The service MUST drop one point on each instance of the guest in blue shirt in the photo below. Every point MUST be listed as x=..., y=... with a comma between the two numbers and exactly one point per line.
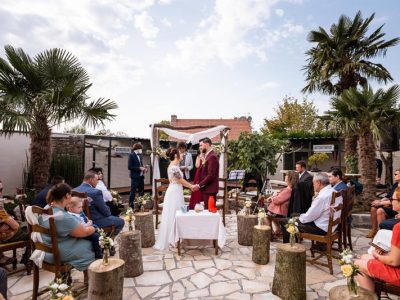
x=40, y=199
x=336, y=180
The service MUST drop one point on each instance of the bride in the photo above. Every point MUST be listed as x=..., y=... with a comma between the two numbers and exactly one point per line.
x=173, y=199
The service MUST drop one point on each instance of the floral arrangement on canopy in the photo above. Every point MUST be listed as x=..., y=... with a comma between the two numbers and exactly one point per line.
x=158, y=151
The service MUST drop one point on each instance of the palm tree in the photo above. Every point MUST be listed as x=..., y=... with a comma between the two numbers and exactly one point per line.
x=39, y=93
x=342, y=57
x=365, y=112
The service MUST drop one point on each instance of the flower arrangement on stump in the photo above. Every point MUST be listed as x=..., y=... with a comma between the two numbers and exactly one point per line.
x=142, y=200
x=292, y=228
x=105, y=243
x=247, y=205
x=129, y=217
x=116, y=198
x=261, y=216
x=59, y=290
x=349, y=270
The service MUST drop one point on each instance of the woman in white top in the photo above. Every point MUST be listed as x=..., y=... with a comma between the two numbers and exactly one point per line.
x=173, y=199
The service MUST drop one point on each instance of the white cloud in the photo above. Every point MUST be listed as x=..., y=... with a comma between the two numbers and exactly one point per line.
x=164, y=2
x=279, y=12
x=269, y=85
x=166, y=22
x=223, y=36
x=144, y=22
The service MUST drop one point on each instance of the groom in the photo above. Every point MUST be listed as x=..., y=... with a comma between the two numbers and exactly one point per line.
x=208, y=183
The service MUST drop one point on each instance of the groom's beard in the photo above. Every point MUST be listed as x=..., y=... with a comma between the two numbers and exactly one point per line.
x=204, y=151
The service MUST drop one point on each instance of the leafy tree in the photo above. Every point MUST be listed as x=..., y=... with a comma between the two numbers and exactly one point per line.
x=78, y=129
x=163, y=135
x=342, y=58
x=108, y=132
x=253, y=152
x=365, y=112
x=39, y=93
x=294, y=116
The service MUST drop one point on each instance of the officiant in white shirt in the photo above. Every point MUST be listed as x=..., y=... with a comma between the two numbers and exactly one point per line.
x=186, y=164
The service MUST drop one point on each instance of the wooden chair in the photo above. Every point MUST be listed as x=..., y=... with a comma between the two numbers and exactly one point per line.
x=222, y=197
x=381, y=286
x=13, y=246
x=242, y=196
x=86, y=209
x=59, y=269
x=161, y=187
x=329, y=238
x=348, y=202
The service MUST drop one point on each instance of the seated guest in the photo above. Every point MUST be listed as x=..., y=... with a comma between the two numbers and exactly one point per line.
x=74, y=250
x=316, y=219
x=379, y=265
x=40, y=199
x=74, y=208
x=300, y=200
x=336, y=180
x=108, y=199
x=99, y=211
x=11, y=231
x=380, y=208
x=278, y=205
x=3, y=284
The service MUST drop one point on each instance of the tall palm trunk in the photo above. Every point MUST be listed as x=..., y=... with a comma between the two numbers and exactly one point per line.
x=367, y=165
x=40, y=153
x=350, y=148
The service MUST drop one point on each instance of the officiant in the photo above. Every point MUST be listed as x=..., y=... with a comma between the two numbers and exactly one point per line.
x=186, y=164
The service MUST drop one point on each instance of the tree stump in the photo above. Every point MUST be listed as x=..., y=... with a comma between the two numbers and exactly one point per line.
x=290, y=272
x=144, y=223
x=261, y=239
x=130, y=250
x=341, y=292
x=106, y=282
x=245, y=225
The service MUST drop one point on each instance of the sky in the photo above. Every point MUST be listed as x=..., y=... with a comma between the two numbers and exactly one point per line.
x=192, y=58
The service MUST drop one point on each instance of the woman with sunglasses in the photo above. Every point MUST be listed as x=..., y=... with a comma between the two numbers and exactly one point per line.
x=380, y=265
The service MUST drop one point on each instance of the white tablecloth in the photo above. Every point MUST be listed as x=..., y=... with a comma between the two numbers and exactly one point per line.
x=198, y=226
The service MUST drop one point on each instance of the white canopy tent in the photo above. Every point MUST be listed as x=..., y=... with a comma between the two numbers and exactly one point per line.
x=193, y=138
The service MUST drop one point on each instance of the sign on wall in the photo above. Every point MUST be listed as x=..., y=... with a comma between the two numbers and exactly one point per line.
x=324, y=148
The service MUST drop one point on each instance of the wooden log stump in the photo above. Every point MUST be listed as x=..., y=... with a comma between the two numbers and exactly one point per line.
x=261, y=239
x=144, y=223
x=245, y=225
x=130, y=250
x=290, y=272
x=106, y=282
x=341, y=292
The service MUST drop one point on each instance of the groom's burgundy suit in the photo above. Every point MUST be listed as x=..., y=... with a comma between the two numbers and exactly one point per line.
x=209, y=178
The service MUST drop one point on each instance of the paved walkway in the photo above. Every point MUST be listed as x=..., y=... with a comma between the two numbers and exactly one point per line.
x=199, y=274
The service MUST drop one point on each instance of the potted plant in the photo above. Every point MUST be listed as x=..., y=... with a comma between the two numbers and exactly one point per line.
x=317, y=158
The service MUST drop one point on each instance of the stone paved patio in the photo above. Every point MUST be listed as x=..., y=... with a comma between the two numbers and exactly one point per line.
x=199, y=274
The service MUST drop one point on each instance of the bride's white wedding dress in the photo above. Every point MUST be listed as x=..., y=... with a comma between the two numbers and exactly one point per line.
x=173, y=201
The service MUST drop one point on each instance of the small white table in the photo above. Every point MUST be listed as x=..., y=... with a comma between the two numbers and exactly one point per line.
x=198, y=226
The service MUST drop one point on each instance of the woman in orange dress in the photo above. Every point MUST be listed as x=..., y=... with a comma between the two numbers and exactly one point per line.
x=379, y=265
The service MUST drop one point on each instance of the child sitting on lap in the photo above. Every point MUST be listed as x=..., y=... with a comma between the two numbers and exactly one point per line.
x=75, y=209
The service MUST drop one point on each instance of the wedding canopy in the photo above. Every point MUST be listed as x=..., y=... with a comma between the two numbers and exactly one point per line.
x=193, y=138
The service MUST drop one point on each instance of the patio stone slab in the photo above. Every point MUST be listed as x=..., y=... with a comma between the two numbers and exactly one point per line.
x=254, y=286
x=152, y=278
x=199, y=293
x=200, y=280
x=146, y=290
x=223, y=288
x=181, y=273
x=203, y=264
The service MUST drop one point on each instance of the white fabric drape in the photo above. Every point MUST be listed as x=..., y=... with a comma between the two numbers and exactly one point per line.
x=193, y=138
x=38, y=255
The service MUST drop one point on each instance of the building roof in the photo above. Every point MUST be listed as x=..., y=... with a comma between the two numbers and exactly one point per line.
x=237, y=125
